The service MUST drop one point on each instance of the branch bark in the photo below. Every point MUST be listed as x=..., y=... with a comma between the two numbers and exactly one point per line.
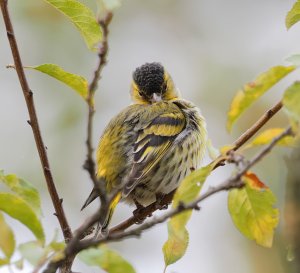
x=33, y=122
x=256, y=126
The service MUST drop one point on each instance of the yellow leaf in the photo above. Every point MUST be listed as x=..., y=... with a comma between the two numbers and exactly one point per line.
x=17, y=208
x=7, y=239
x=225, y=149
x=268, y=135
x=254, y=90
x=293, y=15
x=251, y=209
x=176, y=245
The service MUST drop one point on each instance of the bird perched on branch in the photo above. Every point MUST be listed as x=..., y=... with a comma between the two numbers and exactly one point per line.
x=150, y=146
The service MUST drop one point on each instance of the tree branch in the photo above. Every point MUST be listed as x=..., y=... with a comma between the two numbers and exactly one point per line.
x=256, y=126
x=142, y=214
x=33, y=122
x=232, y=182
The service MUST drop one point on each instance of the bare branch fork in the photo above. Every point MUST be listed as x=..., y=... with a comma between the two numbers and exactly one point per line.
x=33, y=122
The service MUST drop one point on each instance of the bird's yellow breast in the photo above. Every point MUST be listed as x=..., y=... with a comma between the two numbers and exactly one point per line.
x=111, y=157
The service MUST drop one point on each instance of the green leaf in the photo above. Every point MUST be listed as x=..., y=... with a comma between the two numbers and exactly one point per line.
x=82, y=17
x=107, y=259
x=23, y=189
x=176, y=245
x=54, y=244
x=251, y=209
x=37, y=254
x=76, y=82
x=293, y=15
x=189, y=190
x=57, y=246
x=294, y=59
x=254, y=90
x=291, y=100
x=268, y=135
x=17, y=208
x=7, y=239
x=33, y=252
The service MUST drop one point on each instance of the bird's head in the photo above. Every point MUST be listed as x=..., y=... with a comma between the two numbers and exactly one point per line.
x=152, y=83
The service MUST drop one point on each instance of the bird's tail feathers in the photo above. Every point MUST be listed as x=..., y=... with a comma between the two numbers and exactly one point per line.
x=93, y=195
x=113, y=205
x=103, y=224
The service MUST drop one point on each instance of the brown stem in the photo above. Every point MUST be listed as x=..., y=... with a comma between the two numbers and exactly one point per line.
x=256, y=126
x=33, y=122
x=102, y=51
x=89, y=164
x=146, y=212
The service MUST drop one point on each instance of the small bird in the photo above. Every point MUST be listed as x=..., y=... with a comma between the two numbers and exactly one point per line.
x=148, y=148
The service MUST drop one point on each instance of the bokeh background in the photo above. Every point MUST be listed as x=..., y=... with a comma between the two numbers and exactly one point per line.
x=211, y=48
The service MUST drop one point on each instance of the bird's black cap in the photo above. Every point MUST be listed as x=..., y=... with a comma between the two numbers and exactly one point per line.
x=150, y=78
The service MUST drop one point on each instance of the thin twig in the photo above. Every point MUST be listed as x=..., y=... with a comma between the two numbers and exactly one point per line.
x=230, y=183
x=104, y=23
x=142, y=214
x=33, y=122
x=89, y=164
x=256, y=126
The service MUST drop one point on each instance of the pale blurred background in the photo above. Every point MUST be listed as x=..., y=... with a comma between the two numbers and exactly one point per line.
x=211, y=48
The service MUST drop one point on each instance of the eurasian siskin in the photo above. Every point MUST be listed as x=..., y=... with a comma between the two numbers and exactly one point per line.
x=150, y=146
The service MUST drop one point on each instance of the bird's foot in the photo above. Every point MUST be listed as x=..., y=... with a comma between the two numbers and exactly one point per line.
x=159, y=204
x=137, y=213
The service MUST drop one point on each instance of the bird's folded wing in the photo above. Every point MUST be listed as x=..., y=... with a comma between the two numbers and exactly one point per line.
x=153, y=142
